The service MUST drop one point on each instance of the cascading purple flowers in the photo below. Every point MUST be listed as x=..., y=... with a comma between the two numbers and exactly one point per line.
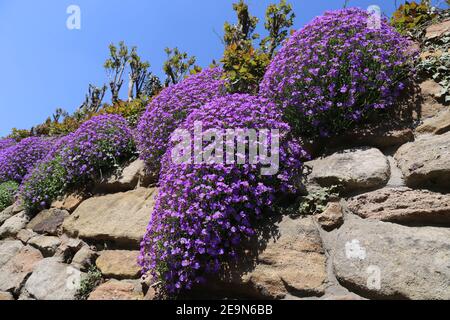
x=337, y=71
x=167, y=111
x=17, y=160
x=6, y=143
x=99, y=145
x=204, y=211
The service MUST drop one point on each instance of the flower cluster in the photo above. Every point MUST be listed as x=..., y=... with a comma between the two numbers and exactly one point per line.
x=167, y=111
x=97, y=147
x=6, y=143
x=204, y=211
x=17, y=160
x=338, y=71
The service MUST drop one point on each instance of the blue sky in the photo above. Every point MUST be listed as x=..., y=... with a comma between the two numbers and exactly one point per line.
x=44, y=65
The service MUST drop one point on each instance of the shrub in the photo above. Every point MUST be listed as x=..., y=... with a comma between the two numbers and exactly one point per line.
x=18, y=160
x=97, y=147
x=7, y=192
x=44, y=184
x=204, y=211
x=337, y=72
x=6, y=143
x=131, y=111
x=411, y=15
x=170, y=108
x=244, y=67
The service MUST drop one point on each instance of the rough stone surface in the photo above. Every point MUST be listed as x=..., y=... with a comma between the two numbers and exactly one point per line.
x=121, y=218
x=6, y=214
x=431, y=88
x=119, y=264
x=13, y=225
x=332, y=217
x=48, y=221
x=68, y=248
x=69, y=202
x=409, y=262
x=437, y=30
x=8, y=249
x=293, y=263
x=426, y=162
x=14, y=273
x=6, y=296
x=53, y=280
x=354, y=169
x=128, y=179
x=290, y=260
x=84, y=258
x=379, y=137
x=25, y=235
x=437, y=125
x=403, y=205
x=118, y=290
x=46, y=244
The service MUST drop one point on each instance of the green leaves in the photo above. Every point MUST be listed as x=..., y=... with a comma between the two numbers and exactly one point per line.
x=279, y=18
x=7, y=193
x=178, y=65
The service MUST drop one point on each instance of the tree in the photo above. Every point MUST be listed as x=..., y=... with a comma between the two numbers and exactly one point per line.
x=243, y=65
x=177, y=66
x=138, y=75
x=59, y=115
x=93, y=100
x=279, y=18
x=115, y=66
x=152, y=86
x=243, y=31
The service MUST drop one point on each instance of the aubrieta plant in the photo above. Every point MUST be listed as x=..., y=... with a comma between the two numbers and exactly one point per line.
x=204, y=211
x=168, y=110
x=19, y=159
x=6, y=143
x=97, y=147
x=338, y=71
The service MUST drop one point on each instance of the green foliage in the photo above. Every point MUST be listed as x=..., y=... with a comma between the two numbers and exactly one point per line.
x=177, y=66
x=412, y=15
x=7, y=192
x=437, y=64
x=244, y=68
x=45, y=183
x=279, y=18
x=89, y=282
x=20, y=134
x=316, y=201
x=131, y=111
x=245, y=27
x=243, y=65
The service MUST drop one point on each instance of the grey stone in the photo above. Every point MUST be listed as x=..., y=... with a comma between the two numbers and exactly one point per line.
x=121, y=218
x=354, y=169
x=381, y=260
x=53, y=280
x=426, y=162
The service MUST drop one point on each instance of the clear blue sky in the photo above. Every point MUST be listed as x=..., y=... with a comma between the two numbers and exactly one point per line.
x=44, y=65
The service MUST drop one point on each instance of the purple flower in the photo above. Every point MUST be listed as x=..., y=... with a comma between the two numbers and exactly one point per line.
x=168, y=110
x=338, y=62
x=204, y=211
